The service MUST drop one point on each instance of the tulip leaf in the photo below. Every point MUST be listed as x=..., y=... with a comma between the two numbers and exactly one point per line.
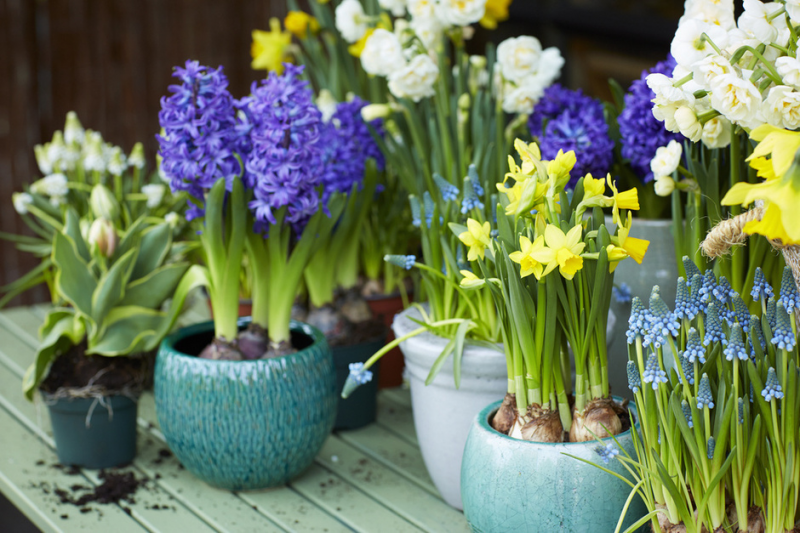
x=130, y=240
x=127, y=331
x=153, y=250
x=154, y=288
x=73, y=229
x=111, y=289
x=74, y=279
x=65, y=330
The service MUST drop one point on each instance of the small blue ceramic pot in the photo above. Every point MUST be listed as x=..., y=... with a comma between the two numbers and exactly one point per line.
x=241, y=425
x=509, y=485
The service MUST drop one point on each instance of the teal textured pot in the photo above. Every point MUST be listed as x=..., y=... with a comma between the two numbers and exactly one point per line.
x=509, y=485
x=92, y=435
x=361, y=407
x=241, y=425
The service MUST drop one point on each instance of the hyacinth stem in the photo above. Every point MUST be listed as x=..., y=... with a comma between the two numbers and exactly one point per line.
x=259, y=290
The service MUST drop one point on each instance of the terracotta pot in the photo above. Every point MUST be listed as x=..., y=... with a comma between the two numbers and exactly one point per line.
x=245, y=307
x=385, y=308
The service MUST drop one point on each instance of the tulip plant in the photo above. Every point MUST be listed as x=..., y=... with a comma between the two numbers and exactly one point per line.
x=716, y=387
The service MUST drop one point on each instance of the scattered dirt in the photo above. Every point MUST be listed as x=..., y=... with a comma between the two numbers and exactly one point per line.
x=163, y=453
x=75, y=369
x=116, y=487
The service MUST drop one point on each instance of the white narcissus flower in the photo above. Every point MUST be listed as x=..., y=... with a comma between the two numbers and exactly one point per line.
x=757, y=20
x=687, y=122
x=708, y=68
x=793, y=8
x=350, y=20
x=782, y=108
x=382, y=54
x=54, y=185
x=717, y=133
x=415, y=80
x=21, y=202
x=154, y=193
x=520, y=99
x=372, y=112
x=550, y=64
x=668, y=99
x=519, y=57
x=429, y=30
x=424, y=9
x=664, y=185
x=715, y=12
x=460, y=12
x=736, y=98
x=667, y=159
x=689, y=44
x=789, y=70
x=397, y=7
x=689, y=86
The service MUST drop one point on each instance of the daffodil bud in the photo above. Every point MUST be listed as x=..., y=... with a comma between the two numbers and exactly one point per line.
x=477, y=62
x=103, y=203
x=665, y=185
x=375, y=111
x=471, y=281
x=103, y=237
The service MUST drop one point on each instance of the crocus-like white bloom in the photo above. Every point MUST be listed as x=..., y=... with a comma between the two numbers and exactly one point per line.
x=714, y=12
x=93, y=158
x=397, y=7
x=789, y=70
x=54, y=185
x=350, y=20
x=375, y=111
x=664, y=185
x=424, y=9
x=382, y=54
x=687, y=122
x=429, y=30
x=415, y=80
x=782, y=107
x=116, y=161
x=519, y=57
x=136, y=159
x=154, y=193
x=690, y=43
x=172, y=218
x=667, y=159
x=21, y=202
x=460, y=12
x=736, y=98
x=521, y=99
x=45, y=166
x=717, y=133
x=707, y=69
x=73, y=130
x=757, y=20
x=326, y=104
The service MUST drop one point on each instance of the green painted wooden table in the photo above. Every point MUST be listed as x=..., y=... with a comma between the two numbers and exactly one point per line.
x=370, y=479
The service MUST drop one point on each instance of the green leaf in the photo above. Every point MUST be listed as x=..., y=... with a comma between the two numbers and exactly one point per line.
x=111, y=289
x=153, y=250
x=66, y=330
x=130, y=240
x=74, y=280
x=127, y=331
x=73, y=229
x=461, y=334
x=154, y=288
x=437, y=365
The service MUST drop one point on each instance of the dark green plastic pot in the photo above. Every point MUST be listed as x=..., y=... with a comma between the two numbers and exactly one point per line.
x=105, y=439
x=361, y=407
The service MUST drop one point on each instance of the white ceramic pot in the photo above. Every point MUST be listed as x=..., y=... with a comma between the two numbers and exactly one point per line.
x=443, y=414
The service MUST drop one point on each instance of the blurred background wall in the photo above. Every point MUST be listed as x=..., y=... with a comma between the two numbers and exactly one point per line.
x=111, y=61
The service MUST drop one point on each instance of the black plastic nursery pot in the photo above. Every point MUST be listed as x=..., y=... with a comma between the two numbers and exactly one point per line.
x=361, y=407
x=94, y=433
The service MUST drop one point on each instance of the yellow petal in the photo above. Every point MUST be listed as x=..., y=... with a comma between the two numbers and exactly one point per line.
x=782, y=144
x=772, y=227
x=554, y=237
x=571, y=266
x=628, y=199
x=516, y=257
x=636, y=248
x=574, y=237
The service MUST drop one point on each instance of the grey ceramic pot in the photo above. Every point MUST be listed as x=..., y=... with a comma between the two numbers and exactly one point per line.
x=509, y=485
x=242, y=425
x=658, y=268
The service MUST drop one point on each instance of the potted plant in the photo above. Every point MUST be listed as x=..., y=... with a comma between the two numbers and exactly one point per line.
x=551, y=281
x=247, y=404
x=111, y=285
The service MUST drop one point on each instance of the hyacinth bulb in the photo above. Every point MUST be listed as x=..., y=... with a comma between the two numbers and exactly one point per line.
x=103, y=237
x=599, y=419
x=253, y=342
x=505, y=416
x=539, y=425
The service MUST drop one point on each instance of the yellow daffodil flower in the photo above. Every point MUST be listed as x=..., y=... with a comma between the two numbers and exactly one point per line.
x=781, y=144
x=763, y=167
x=513, y=193
x=615, y=255
x=496, y=11
x=528, y=265
x=357, y=48
x=529, y=154
x=477, y=238
x=636, y=248
x=299, y=23
x=558, y=170
x=562, y=251
x=269, y=47
x=623, y=200
x=471, y=281
x=593, y=187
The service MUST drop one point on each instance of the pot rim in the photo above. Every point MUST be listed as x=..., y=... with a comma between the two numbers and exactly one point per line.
x=482, y=420
x=168, y=344
x=428, y=337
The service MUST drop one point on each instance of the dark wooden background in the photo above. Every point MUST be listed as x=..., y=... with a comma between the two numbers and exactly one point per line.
x=111, y=61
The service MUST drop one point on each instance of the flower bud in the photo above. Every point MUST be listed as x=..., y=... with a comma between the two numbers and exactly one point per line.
x=21, y=202
x=464, y=102
x=103, y=236
x=477, y=62
x=73, y=130
x=136, y=159
x=688, y=124
x=375, y=111
x=154, y=193
x=664, y=186
x=103, y=203
x=42, y=159
x=172, y=219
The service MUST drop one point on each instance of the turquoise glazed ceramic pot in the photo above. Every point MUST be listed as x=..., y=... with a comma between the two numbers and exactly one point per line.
x=242, y=425
x=509, y=485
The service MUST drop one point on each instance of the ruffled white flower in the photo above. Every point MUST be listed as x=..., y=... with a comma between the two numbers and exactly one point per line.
x=154, y=193
x=756, y=20
x=54, y=185
x=717, y=133
x=415, y=80
x=667, y=159
x=350, y=20
x=21, y=202
x=664, y=185
x=550, y=64
x=789, y=70
x=422, y=9
x=690, y=86
x=382, y=54
x=689, y=44
x=687, y=122
x=519, y=57
x=326, y=104
x=460, y=12
x=714, y=12
x=520, y=99
x=782, y=107
x=709, y=68
x=429, y=30
x=793, y=8
x=736, y=98
x=397, y=7
x=668, y=99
